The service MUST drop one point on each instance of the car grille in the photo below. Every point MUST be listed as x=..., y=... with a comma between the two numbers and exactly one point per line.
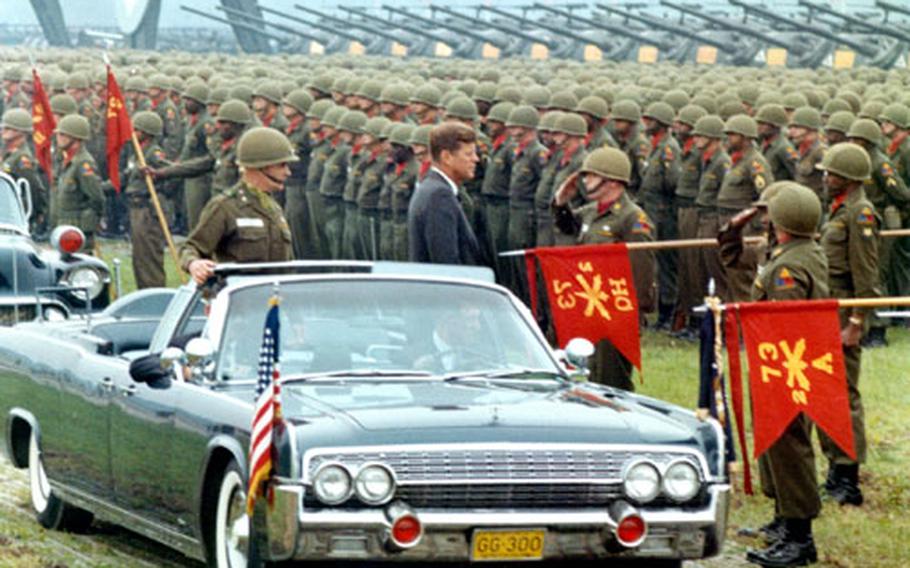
x=538, y=495
x=8, y=314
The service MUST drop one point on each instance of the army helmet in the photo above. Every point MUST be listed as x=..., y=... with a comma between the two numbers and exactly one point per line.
x=690, y=114
x=741, y=124
x=77, y=80
x=426, y=94
x=241, y=93
x=371, y=90
x=319, y=108
x=548, y=121
x=353, y=121
x=865, y=129
x=376, y=126
x=523, y=115
x=709, y=126
x=500, y=112
x=610, y=163
x=572, y=124
x=836, y=105
x=462, y=107
x=897, y=114
x=63, y=104
x=299, y=99
x=806, y=117
x=768, y=194
x=137, y=84
x=508, y=93
x=421, y=135
x=593, y=105
x=217, y=96
x=395, y=93
x=197, y=92
x=795, y=209
x=75, y=126
x=773, y=114
x=333, y=115
x=263, y=146
x=840, y=121
x=537, y=96
x=847, y=160
x=17, y=119
x=677, y=98
x=565, y=101
x=401, y=134
x=160, y=81
x=148, y=122
x=234, y=111
x=661, y=112
x=627, y=110
x=268, y=90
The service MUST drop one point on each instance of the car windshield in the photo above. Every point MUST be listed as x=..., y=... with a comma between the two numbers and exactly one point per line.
x=10, y=211
x=380, y=330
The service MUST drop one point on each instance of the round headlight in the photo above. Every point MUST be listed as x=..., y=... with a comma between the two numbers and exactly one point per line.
x=375, y=484
x=53, y=313
x=641, y=482
x=86, y=277
x=681, y=481
x=332, y=484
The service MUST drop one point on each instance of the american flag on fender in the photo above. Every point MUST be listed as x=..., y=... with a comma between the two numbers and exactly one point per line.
x=268, y=407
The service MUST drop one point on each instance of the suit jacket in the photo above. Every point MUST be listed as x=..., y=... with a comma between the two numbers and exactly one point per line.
x=438, y=231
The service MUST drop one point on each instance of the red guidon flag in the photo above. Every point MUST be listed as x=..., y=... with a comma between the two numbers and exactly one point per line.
x=119, y=128
x=591, y=294
x=43, y=125
x=796, y=364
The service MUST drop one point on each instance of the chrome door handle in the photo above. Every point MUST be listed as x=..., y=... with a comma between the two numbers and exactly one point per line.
x=128, y=391
x=107, y=384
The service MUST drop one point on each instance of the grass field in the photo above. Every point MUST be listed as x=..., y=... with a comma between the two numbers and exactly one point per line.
x=875, y=535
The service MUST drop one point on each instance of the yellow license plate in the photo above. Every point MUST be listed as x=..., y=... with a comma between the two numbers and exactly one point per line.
x=495, y=544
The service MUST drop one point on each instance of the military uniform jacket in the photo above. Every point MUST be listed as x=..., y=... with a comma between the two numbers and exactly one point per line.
x=885, y=187
x=749, y=174
x=195, y=143
x=371, y=181
x=172, y=134
x=278, y=121
x=356, y=164
x=899, y=154
x=17, y=100
x=558, y=169
x=335, y=174
x=600, y=138
x=20, y=164
x=484, y=146
x=781, y=157
x=807, y=174
x=689, y=171
x=850, y=241
x=133, y=180
x=79, y=198
x=527, y=163
x=714, y=169
x=242, y=224
x=221, y=161
x=658, y=184
x=319, y=155
x=498, y=173
x=797, y=270
x=399, y=185
x=622, y=222
x=637, y=148
x=299, y=136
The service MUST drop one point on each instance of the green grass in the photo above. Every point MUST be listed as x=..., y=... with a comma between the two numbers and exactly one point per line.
x=111, y=249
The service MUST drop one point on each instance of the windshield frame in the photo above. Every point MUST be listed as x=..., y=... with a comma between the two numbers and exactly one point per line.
x=225, y=302
x=7, y=184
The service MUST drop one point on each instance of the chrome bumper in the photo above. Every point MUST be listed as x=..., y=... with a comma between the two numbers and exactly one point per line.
x=293, y=533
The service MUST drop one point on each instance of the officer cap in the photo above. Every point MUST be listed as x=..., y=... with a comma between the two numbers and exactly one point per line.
x=76, y=81
x=548, y=121
x=795, y=208
x=865, y=129
x=537, y=96
x=710, y=126
x=421, y=135
x=593, y=105
x=75, y=126
x=772, y=114
x=353, y=121
x=234, y=111
x=217, y=96
x=299, y=99
x=500, y=111
x=462, y=107
x=485, y=91
x=835, y=105
x=319, y=108
x=401, y=134
x=63, y=104
x=148, y=122
x=263, y=146
x=847, y=160
x=840, y=121
x=268, y=90
x=572, y=124
x=563, y=100
x=198, y=92
x=741, y=124
x=661, y=112
x=396, y=93
x=897, y=114
x=376, y=126
x=426, y=94
x=627, y=110
x=371, y=90
x=690, y=114
x=677, y=98
x=17, y=119
x=509, y=93
x=610, y=163
x=333, y=115
x=524, y=115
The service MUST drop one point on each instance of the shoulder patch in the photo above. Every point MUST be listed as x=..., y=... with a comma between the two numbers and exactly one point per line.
x=668, y=153
x=784, y=279
x=642, y=224
x=171, y=113
x=25, y=162
x=159, y=155
x=87, y=169
x=792, y=153
x=866, y=217
x=757, y=167
x=887, y=169
x=760, y=181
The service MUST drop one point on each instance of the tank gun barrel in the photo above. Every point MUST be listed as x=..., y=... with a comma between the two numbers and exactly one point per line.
x=281, y=27
x=434, y=23
x=325, y=28
x=854, y=20
x=657, y=23
x=480, y=22
x=602, y=25
x=395, y=24
x=351, y=23
x=242, y=25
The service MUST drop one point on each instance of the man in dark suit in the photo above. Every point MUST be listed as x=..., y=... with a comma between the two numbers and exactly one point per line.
x=438, y=231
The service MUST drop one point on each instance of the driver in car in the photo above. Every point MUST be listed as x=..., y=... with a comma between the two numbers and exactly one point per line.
x=457, y=344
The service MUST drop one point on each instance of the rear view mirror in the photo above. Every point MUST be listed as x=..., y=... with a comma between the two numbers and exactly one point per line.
x=199, y=358
x=578, y=350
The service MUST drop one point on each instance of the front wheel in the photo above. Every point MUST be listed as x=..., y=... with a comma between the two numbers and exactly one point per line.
x=51, y=512
x=232, y=525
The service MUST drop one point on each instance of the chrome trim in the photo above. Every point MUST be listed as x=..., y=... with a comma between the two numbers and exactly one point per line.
x=721, y=451
x=663, y=479
x=621, y=511
x=391, y=493
x=345, y=469
x=642, y=461
x=395, y=512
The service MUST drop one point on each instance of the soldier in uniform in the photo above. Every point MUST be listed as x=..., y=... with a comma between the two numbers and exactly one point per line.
x=625, y=119
x=595, y=112
x=295, y=106
x=895, y=121
x=244, y=224
x=79, y=199
x=850, y=240
x=196, y=190
x=335, y=176
x=161, y=104
x=569, y=135
x=400, y=177
x=657, y=194
x=838, y=125
x=797, y=270
x=146, y=236
x=610, y=216
x=777, y=150
x=888, y=193
x=804, y=132
x=749, y=174
x=19, y=162
x=494, y=191
x=425, y=104
x=135, y=94
x=372, y=174
x=14, y=97
x=401, y=193
x=393, y=102
x=62, y=105
x=322, y=118
x=267, y=105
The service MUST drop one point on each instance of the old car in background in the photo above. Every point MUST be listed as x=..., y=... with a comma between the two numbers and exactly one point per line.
x=60, y=280
x=425, y=419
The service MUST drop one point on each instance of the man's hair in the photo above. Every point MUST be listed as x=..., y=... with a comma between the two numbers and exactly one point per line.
x=450, y=136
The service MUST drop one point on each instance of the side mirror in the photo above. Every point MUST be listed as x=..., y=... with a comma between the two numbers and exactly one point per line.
x=148, y=369
x=199, y=357
x=578, y=350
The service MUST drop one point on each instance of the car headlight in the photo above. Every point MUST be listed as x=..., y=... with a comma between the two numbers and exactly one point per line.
x=54, y=313
x=681, y=481
x=641, y=482
x=332, y=484
x=86, y=277
x=374, y=484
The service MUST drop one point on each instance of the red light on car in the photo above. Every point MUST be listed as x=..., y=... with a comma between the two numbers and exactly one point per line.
x=68, y=239
x=631, y=531
x=406, y=530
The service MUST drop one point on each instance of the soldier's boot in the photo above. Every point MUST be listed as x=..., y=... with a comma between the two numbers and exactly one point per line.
x=875, y=338
x=830, y=480
x=771, y=532
x=846, y=490
x=664, y=317
x=689, y=332
x=796, y=547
